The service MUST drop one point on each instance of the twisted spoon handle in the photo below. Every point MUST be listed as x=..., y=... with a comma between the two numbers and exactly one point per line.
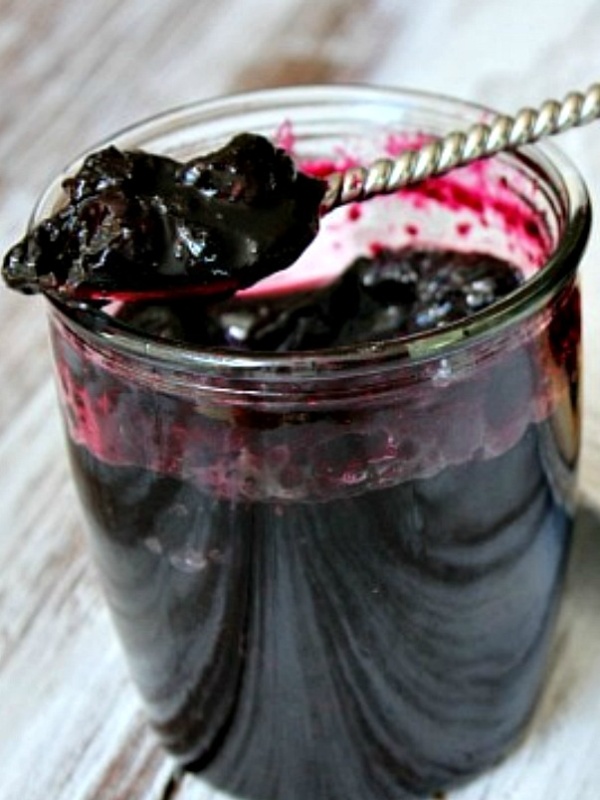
x=459, y=148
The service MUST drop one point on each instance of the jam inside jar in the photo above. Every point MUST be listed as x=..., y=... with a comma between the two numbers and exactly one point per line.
x=335, y=572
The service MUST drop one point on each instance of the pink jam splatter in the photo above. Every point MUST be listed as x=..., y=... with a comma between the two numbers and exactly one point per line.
x=489, y=199
x=285, y=136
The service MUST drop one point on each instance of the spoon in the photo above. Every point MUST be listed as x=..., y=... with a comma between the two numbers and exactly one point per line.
x=459, y=148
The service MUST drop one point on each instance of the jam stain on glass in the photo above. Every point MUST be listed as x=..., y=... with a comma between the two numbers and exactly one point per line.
x=331, y=521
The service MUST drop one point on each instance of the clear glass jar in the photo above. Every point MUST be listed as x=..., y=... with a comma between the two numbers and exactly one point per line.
x=336, y=573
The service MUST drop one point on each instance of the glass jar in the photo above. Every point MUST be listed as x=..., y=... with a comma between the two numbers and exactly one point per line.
x=336, y=573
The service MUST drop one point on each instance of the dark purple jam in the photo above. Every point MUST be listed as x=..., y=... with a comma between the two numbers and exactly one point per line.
x=384, y=644
x=139, y=225
x=351, y=598
x=329, y=586
x=395, y=293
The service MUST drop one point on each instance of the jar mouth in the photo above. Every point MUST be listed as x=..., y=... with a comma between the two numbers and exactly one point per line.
x=546, y=163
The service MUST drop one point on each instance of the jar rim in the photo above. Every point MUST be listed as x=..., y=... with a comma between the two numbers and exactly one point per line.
x=544, y=160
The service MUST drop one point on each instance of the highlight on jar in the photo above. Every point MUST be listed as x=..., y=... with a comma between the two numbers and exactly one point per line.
x=325, y=434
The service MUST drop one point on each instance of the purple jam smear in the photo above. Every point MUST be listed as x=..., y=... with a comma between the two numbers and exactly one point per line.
x=138, y=225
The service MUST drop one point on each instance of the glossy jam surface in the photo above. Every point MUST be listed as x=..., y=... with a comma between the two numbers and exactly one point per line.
x=393, y=293
x=140, y=225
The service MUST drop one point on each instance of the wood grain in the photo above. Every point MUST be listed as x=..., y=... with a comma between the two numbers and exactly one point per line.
x=71, y=726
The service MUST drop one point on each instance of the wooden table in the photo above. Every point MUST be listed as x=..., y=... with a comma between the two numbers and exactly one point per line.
x=71, y=727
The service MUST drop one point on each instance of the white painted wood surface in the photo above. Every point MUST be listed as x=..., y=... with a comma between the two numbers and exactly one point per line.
x=71, y=727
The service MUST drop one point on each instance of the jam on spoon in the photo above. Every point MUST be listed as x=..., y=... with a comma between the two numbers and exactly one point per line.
x=140, y=226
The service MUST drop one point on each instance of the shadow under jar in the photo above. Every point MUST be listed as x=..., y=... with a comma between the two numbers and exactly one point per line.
x=335, y=574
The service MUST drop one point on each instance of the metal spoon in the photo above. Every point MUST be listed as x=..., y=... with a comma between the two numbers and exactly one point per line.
x=459, y=148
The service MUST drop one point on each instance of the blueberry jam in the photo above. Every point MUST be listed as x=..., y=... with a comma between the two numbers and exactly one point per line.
x=142, y=225
x=334, y=593
x=335, y=571
x=394, y=293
